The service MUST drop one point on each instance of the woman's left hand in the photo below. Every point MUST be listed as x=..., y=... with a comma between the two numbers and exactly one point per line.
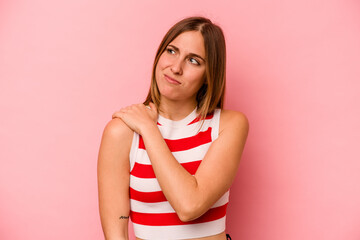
x=138, y=116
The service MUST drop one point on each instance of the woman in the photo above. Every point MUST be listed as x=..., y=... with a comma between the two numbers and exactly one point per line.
x=171, y=160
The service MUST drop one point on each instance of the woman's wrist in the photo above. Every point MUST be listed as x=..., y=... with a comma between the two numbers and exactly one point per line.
x=149, y=129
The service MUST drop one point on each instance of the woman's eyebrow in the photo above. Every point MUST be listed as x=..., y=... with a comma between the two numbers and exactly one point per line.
x=192, y=54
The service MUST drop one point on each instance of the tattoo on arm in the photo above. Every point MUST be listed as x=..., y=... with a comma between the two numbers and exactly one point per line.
x=123, y=217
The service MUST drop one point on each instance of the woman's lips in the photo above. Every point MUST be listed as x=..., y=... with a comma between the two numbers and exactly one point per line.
x=171, y=80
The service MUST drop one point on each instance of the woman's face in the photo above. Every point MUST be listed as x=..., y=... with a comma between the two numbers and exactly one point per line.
x=180, y=71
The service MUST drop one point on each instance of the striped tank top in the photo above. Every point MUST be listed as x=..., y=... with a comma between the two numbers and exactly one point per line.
x=151, y=214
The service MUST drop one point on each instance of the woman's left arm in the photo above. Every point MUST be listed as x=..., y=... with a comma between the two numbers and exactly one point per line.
x=191, y=196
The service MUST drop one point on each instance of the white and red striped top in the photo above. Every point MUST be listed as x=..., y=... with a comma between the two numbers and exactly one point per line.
x=152, y=215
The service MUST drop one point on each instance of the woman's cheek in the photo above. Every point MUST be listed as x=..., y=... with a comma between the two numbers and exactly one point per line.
x=163, y=61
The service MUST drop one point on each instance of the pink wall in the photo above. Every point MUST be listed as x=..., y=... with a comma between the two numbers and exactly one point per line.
x=293, y=69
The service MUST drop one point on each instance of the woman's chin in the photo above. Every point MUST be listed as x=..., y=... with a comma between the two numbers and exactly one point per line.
x=169, y=95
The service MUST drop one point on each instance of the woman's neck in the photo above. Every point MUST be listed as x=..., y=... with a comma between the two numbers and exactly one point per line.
x=176, y=110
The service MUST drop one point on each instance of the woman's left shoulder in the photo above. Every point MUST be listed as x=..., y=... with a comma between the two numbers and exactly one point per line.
x=233, y=119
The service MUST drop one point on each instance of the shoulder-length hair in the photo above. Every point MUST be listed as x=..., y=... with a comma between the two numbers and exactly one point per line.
x=211, y=94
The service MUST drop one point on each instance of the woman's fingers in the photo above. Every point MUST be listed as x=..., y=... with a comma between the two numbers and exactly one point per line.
x=116, y=114
x=134, y=107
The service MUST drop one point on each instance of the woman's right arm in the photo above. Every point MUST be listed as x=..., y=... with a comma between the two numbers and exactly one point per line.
x=113, y=172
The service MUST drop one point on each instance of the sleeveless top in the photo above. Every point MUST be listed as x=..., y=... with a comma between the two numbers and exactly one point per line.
x=151, y=214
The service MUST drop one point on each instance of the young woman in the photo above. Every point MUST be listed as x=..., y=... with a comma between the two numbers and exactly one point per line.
x=168, y=163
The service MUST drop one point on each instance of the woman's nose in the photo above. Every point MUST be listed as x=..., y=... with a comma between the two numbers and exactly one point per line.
x=177, y=66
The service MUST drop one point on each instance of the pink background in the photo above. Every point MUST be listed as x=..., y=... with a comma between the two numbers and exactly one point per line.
x=293, y=69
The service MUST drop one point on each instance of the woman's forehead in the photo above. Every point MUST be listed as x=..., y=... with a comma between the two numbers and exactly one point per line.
x=190, y=42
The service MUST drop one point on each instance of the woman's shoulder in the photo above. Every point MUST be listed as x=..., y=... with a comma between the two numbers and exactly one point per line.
x=115, y=148
x=233, y=119
x=117, y=130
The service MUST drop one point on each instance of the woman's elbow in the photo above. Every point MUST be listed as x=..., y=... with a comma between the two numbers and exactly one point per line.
x=189, y=213
x=185, y=217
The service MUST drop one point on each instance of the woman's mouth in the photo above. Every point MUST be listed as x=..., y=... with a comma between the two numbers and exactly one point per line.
x=170, y=80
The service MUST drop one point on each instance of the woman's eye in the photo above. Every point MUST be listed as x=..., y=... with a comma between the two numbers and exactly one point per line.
x=169, y=50
x=193, y=60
